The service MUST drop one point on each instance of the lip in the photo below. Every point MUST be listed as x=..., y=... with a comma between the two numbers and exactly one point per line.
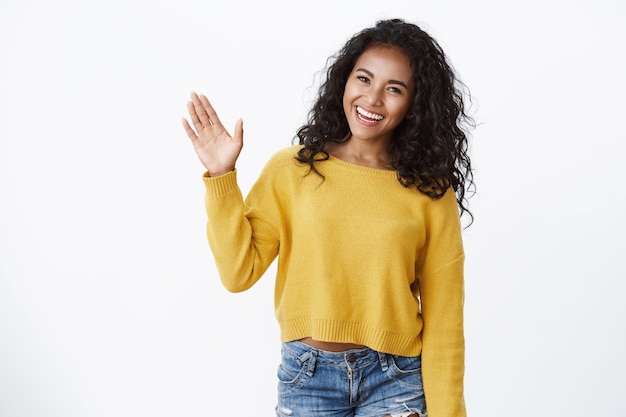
x=366, y=121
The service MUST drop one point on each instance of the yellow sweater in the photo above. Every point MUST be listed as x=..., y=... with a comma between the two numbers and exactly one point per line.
x=357, y=252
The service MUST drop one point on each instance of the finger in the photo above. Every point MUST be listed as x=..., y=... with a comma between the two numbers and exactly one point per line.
x=215, y=120
x=190, y=132
x=200, y=111
x=194, y=116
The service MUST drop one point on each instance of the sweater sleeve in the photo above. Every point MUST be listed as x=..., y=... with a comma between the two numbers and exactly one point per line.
x=442, y=297
x=243, y=243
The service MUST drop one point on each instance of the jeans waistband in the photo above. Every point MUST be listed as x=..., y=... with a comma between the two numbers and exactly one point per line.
x=353, y=357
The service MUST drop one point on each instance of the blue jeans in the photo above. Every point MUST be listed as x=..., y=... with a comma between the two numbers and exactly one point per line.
x=354, y=383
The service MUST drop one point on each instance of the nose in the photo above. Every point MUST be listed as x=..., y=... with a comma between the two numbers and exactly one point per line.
x=374, y=96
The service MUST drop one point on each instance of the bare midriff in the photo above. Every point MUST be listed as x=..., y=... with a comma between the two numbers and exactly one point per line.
x=331, y=346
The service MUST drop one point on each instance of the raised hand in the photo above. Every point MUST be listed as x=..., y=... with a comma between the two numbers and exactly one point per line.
x=217, y=149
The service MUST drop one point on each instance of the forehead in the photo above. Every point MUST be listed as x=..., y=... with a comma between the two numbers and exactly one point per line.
x=385, y=60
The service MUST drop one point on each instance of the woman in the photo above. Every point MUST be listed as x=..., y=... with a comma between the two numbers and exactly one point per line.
x=363, y=215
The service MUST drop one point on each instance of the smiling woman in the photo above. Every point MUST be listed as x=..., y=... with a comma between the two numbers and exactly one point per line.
x=363, y=218
x=377, y=97
x=110, y=300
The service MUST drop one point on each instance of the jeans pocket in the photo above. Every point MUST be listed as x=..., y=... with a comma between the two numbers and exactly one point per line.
x=289, y=370
x=294, y=371
x=406, y=364
x=407, y=369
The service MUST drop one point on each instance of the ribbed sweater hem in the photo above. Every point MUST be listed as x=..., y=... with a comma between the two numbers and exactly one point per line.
x=354, y=332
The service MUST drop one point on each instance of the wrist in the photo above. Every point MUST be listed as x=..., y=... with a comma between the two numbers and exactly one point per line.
x=219, y=173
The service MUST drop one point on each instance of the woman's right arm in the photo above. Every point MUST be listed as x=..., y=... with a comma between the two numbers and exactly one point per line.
x=243, y=243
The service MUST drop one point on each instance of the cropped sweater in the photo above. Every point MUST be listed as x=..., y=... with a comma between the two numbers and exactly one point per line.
x=361, y=259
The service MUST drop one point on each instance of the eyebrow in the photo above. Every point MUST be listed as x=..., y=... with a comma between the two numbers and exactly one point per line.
x=371, y=74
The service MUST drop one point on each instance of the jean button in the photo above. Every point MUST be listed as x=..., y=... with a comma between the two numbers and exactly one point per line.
x=351, y=358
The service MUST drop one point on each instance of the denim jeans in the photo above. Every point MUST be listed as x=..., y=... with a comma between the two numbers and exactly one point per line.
x=354, y=383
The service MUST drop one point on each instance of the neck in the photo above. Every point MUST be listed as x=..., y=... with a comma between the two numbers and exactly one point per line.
x=374, y=155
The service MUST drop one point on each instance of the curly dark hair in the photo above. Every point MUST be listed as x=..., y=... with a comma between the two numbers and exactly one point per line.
x=429, y=150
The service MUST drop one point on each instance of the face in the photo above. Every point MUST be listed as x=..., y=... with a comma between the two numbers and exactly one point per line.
x=378, y=93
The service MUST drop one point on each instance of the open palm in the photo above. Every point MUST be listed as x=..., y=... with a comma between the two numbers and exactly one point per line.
x=217, y=149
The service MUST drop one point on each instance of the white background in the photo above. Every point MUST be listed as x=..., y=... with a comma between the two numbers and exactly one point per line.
x=109, y=300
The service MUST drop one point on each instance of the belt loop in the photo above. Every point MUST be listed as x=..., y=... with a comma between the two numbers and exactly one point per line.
x=309, y=358
x=303, y=358
x=383, y=361
x=311, y=363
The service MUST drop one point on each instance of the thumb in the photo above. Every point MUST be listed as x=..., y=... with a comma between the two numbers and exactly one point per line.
x=238, y=133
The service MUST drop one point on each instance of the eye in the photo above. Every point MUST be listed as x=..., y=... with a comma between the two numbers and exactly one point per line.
x=395, y=90
x=363, y=79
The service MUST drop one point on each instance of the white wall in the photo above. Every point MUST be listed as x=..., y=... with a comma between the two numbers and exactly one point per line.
x=109, y=301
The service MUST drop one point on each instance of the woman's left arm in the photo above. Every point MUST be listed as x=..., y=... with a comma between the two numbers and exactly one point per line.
x=441, y=284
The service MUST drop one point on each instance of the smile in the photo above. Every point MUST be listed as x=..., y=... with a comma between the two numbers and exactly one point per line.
x=367, y=116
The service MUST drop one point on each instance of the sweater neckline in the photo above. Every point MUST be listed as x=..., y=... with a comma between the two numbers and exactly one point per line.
x=361, y=168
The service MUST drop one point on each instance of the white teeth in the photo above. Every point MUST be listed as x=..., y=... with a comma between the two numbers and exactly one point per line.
x=369, y=115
